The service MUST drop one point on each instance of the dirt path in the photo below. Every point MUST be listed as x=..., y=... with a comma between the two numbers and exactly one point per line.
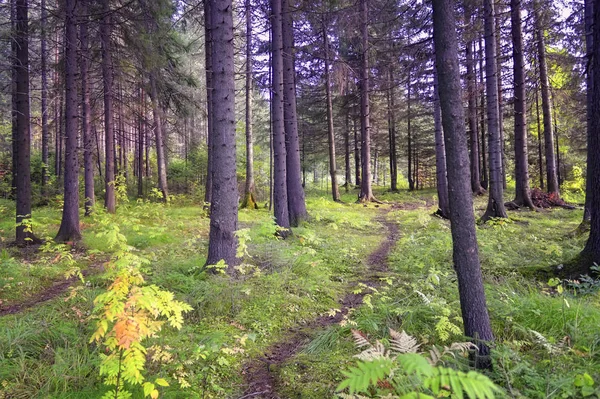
x=261, y=381
x=57, y=288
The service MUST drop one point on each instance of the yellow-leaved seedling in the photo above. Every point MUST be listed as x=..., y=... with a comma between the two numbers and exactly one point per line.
x=128, y=313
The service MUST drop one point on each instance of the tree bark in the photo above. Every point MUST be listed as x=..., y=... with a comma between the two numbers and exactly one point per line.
x=69, y=225
x=357, y=164
x=462, y=221
x=86, y=116
x=472, y=104
x=296, y=203
x=589, y=80
x=335, y=191
x=348, y=173
x=109, y=133
x=392, y=130
x=22, y=170
x=522, y=192
x=222, y=244
x=482, y=126
x=495, y=207
x=249, y=200
x=366, y=192
x=551, y=176
x=159, y=138
x=440, y=155
x=44, y=72
x=591, y=251
x=208, y=61
x=411, y=169
x=280, y=191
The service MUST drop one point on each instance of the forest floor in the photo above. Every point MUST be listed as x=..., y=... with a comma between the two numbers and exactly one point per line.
x=281, y=327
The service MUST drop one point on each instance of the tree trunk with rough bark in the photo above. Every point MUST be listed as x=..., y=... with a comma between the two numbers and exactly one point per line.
x=495, y=207
x=22, y=146
x=86, y=116
x=159, y=138
x=249, y=200
x=551, y=176
x=222, y=244
x=69, y=225
x=472, y=104
x=335, y=191
x=296, y=203
x=366, y=192
x=522, y=191
x=280, y=191
x=391, y=106
x=109, y=133
x=591, y=251
x=44, y=104
x=440, y=155
x=208, y=66
x=475, y=316
x=589, y=80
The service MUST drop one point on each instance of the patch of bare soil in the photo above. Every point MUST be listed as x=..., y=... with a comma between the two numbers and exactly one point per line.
x=57, y=288
x=261, y=380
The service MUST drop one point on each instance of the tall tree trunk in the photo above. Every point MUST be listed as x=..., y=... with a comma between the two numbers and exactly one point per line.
x=411, y=174
x=551, y=177
x=495, y=207
x=472, y=104
x=109, y=133
x=482, y=121
x=591, y=251
x=539, y=136
x=222, y=244
x=88, y=146
x=440, y=155
x=159, y=138
x=589, y=23
x=348, y=173
x=366, y=192
x=357, y=163
x=462, y=221
x=296, y=203
x=22, y=170
x=522, y=191
x=44, y=72
x=500, y=95
x=140, y=143
x=69, y=225
x=249, y=201
x=392, y=130
x=14, y=96
x=208, y=61
x=335, y=191
x=280, y=191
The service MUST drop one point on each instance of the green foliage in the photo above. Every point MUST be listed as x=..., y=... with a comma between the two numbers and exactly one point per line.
x=382, y=372
x=128, y=313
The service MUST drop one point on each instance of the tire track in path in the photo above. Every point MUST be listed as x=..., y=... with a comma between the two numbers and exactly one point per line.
x=260, y=380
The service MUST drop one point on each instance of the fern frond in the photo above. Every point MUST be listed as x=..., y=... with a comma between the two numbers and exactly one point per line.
x=359, y=339
x=462, y=347
x=402, y=342
x=540, y=339
x=471, y=385
x=358, y=379
x=374, y=352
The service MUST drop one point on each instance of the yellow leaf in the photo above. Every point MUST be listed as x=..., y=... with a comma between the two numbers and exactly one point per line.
x=161, y=382
x=154, y=394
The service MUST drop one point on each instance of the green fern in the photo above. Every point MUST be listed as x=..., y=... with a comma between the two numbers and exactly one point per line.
x=378, y=366
x=367, y=373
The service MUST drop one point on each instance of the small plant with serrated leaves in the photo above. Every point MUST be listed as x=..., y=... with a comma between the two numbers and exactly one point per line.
x=398, y=371
x=127, y=314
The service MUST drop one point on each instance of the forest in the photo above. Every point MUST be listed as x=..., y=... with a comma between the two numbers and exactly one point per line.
x=288, y=199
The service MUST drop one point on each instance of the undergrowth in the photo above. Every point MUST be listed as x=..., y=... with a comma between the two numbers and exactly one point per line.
x=547, y=343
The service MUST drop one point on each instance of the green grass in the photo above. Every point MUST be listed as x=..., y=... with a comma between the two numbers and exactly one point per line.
x=44, y=351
